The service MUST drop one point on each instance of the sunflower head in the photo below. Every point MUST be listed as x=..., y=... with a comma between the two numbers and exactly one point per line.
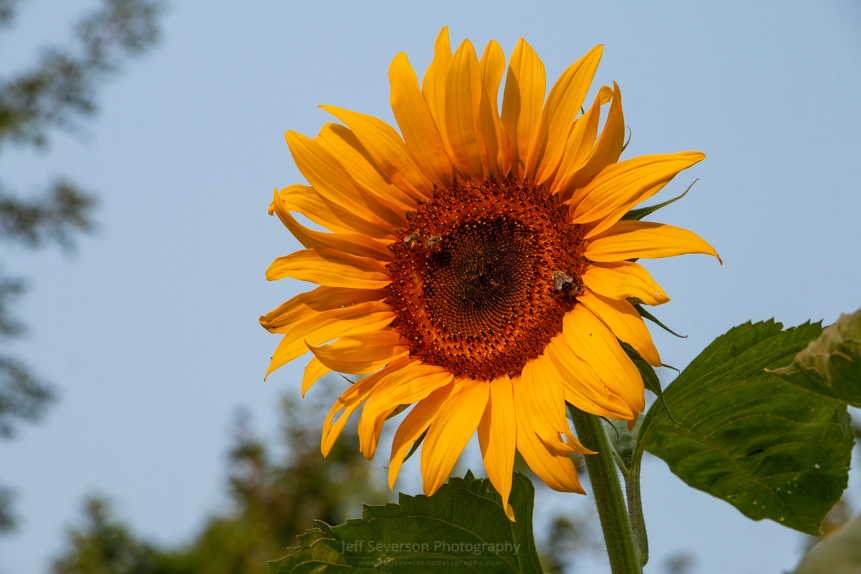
x=476, y=265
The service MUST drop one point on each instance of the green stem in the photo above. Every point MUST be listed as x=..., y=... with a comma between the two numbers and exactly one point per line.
x=608, y=493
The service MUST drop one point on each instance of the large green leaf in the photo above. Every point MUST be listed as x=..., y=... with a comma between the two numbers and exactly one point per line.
x=769, y=448
x=830, y=365
x=461, y=528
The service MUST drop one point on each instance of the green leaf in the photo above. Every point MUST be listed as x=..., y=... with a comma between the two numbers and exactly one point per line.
x=462, y=527
x=769, y=448
x=830, y=365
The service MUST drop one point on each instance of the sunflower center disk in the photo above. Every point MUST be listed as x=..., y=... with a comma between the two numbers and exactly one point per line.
x=483, y=275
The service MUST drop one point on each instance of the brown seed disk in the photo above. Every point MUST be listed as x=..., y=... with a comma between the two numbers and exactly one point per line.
x=480, y=276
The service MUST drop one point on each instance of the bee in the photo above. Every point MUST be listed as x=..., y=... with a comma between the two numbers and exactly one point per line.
x=564, y=282
x=412, y=239
x=431, y=241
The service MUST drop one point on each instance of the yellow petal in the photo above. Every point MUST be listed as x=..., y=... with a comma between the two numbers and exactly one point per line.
x=545, y=401
x=403, y=387
x=583, y=386
x=563, y=104
x=361, y=354
x=497, y=437
x=593, y=342
x=462, y=101
x=448, y=434
x=363, y=212
x=330, y=267
x=421, y=135
x=624, y=279
x=492, y=69
x=625, y=322
x=306, y=305
x=313, y=371
x=387, y=150
x=636, y=239
x=316, y=329
x=412, y=427
x=350, y=243
x=434, y=82
x=522, y=101
x=579, y=147
x=305, y=199
x=350, y=400
x=362, y=168
x=621, y=186
x=607, y=148
x=556, y=470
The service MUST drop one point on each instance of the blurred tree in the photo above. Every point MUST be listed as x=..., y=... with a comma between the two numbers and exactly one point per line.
x=272, y=502
x=275, y=498
x=58, y=90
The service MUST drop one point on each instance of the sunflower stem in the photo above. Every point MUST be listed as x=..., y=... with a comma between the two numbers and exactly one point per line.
x=607, y=490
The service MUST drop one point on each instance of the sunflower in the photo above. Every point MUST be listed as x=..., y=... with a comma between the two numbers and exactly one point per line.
x=476, y=266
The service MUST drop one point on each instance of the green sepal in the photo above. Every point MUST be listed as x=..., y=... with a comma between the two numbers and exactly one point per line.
x=650, y=377
x=416, y=444
x=646, y=315
x=638, y=214
x=630, y=135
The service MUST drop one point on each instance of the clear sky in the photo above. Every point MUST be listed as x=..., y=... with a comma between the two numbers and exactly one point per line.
x=151, y=334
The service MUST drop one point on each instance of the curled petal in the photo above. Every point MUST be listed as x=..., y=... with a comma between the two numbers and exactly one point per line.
x=623, y=280
x=402, y=387
x=583, y=386
x=434, y=84
x=364, y=212
x=606, y=149
x=362, y=168
x=621, y=186
x=318, y=328
x=421, y=135
x=522, y=102
x=313, y=371
x=556, y=470
x=462, y=103
x=350, y=243
x=623, y=320
x=497, y=437
x=546, y=403
x=635, y=239
x=414, y=425
x=330, y=267
x=361, y=354
x=492, y=70
x=307, y=305
x=349, y=401
x=387, y=150
x=593, y=342
x=448, y=434
x=563, y=104
x=305, y=199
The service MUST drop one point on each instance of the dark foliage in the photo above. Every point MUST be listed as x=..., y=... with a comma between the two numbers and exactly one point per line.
x=56, y=92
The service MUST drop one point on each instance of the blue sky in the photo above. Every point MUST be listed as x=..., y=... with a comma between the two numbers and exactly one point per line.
x=151, y=335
